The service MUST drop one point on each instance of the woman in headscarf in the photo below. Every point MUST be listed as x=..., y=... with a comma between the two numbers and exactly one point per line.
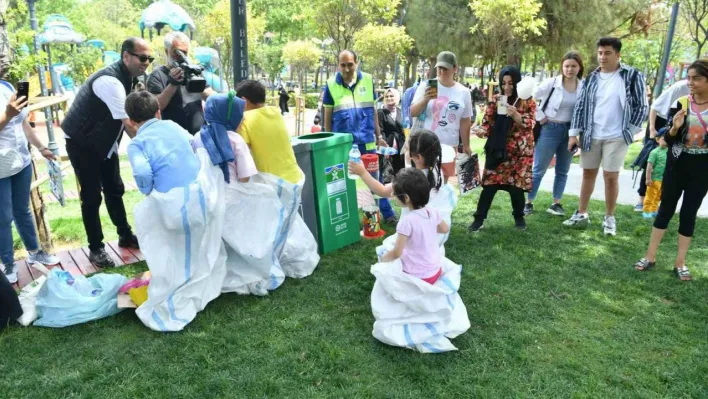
x=223, y=114
x=391, y=123
x=508, y=126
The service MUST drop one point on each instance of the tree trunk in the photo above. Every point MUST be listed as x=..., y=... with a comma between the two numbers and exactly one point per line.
x=533, y=66
x=481, y=75
x=38, y=211
x=461, y=74
x=433, y=72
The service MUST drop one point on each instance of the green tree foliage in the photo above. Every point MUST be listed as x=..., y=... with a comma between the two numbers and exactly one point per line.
x=302, y=56
x=378, y=46
x=342, y=19
x=287, y=19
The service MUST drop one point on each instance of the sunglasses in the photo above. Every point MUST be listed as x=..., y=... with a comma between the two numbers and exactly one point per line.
x=143, y=58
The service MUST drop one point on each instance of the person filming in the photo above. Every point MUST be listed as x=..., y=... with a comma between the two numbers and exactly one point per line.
x=173, y=87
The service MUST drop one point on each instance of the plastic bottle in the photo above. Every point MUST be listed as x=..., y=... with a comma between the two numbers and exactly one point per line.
x=354, y=156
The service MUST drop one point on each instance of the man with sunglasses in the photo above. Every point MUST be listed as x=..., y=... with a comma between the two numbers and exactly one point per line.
x=349, y=107
x=166, y=82
x=93, y=128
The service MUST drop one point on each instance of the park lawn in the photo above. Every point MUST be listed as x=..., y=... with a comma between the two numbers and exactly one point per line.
x=555, y=313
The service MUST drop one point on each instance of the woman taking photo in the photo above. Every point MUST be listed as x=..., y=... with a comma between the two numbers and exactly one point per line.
x=15, y=182
x=557, y=97
x=685, y=172
x=391, y=123
x=508, y=126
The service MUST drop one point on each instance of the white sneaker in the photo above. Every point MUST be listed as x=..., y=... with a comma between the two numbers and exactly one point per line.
x=43, y=258
x=610, y=226
x=578, y=220
x=10, y=272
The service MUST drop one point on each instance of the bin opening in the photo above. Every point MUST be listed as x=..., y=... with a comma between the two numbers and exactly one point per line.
x=316, y=136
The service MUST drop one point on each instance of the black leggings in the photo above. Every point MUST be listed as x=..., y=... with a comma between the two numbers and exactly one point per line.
x=687, y=175
x=487, y=196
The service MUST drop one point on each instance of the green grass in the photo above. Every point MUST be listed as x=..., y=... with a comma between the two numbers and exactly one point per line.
x=554, y=312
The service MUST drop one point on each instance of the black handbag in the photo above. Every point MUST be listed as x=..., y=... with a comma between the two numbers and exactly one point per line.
x=537, y=127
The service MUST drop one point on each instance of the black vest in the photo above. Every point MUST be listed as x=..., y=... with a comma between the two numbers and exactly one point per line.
x=89, y=122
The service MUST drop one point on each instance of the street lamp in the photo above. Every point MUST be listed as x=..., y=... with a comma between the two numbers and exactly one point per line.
x=239, y=40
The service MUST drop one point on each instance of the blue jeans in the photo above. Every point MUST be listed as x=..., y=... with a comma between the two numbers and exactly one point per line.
x=385, y=206
x=14, y=205
x=553, y=141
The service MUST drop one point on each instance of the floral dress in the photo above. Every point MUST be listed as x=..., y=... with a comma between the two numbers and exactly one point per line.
x=517, y=170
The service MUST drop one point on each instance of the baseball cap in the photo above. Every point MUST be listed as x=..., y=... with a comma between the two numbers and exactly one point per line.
x=446, y=59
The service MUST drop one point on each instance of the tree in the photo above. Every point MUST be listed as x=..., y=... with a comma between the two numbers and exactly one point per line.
x=378, y=46
x=289, y=19
x=508, y=23
x=341, y=19
x=303, y=57
x=695, y=13
x=270, y=60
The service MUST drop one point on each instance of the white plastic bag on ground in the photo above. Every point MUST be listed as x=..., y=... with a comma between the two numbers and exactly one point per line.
x=180, y=237
x=251, y=227
x=444, y=201
x=28, y=296
x=300, y=258
x=65, y=300
x=413, y=314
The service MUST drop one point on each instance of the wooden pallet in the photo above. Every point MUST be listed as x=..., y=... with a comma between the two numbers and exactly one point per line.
x=76, y=262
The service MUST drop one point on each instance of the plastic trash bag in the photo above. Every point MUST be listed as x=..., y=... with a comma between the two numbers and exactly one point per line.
x=28, y=301
x=413, y=314
x=251, y=227
x=65, y=300
x=444, y=201
x=468, y=175
x=180, y=237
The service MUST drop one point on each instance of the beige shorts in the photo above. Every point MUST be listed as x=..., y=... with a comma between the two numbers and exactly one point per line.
x=606, y=153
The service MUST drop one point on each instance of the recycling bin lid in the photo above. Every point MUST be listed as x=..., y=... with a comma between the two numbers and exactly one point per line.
x=326, y=139
x=300, y=147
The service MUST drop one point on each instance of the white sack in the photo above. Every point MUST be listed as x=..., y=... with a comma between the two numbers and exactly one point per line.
x=180, y=237
x=414, y=314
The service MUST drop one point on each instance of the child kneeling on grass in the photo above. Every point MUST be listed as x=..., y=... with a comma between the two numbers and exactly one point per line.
x=655, y=174
x=417, y=242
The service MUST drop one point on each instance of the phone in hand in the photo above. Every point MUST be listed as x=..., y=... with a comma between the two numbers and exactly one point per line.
x=23, y=89
x=574, y=150
x=433, y=84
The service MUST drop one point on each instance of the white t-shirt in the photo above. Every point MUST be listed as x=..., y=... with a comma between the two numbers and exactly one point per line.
x=13, y=135
x=607, y=118
x=567, y=106
x=662, y=105
x=443, y=114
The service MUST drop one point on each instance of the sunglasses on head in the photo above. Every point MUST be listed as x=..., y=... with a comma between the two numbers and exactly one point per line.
x=143, y=58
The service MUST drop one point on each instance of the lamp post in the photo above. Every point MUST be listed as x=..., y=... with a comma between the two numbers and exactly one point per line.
x=239, y=40
x=51, y=144
x=659, y=87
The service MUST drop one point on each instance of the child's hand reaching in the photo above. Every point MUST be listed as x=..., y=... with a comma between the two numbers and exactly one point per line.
x=356, y=168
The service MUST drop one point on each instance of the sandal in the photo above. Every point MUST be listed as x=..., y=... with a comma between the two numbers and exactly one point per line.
x=643, y=265
x=682, y=273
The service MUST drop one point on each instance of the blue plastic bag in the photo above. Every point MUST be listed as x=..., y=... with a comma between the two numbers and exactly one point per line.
x=65, y=300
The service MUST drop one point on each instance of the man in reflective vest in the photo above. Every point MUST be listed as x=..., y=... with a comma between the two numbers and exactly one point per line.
x=349, y=107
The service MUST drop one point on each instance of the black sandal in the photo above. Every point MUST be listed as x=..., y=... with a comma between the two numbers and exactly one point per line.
x=682, y=273
x=643, y=265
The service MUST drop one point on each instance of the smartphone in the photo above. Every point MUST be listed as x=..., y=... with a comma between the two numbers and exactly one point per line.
x=23, y=89
x=433, y=84
x=574, y=150
x=501, y=105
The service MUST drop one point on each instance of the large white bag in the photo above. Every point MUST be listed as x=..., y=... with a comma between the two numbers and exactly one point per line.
x=251, y=226
x=444, y=201
x=414, y=314
x=295, y=245
x=180, y=236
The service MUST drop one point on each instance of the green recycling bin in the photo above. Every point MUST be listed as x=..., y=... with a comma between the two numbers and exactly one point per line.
x=334, y=193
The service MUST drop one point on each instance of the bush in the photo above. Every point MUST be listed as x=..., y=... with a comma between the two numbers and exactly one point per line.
x=311, y=100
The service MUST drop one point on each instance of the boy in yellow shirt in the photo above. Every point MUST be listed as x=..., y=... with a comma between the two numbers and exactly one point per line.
x=264, y=130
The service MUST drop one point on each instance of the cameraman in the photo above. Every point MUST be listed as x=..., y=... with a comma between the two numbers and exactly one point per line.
x=167, y=83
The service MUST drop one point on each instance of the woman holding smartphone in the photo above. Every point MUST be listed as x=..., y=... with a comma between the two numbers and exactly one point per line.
x=508, y=126
x=15, y=181
x=444, y=107
x=557, y=97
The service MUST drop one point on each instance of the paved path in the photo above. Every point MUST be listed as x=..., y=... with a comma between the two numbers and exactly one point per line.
x=627, y=195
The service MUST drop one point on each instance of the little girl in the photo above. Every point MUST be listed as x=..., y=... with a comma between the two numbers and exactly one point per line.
x=426, y=155
x=417, y=242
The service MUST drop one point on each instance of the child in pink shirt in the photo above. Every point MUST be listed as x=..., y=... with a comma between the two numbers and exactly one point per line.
x=417, y=245
x=243, y=166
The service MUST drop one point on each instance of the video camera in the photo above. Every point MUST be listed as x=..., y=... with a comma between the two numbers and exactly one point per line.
x=193, y=79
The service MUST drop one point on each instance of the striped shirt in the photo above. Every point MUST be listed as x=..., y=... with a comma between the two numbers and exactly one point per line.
x=635, y=110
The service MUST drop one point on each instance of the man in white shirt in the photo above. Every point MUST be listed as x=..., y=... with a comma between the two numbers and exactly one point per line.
x=93, y=126
x=610, y=110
